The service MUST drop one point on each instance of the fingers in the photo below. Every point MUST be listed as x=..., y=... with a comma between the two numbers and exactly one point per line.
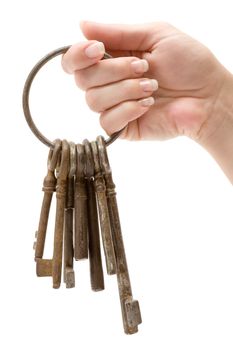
x=105, y=97
x=110, y=70
x=120, y=36
x=82, y=55
x=118, y=117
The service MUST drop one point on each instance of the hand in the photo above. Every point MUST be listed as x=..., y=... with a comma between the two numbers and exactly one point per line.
x=190, y=80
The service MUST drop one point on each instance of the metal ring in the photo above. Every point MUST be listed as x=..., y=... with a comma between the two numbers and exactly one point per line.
x=54, y=155
x=26, y=91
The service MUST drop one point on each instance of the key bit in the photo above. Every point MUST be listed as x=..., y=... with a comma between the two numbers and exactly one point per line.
x=44, y=267
x=133, y=313
x=49, y=186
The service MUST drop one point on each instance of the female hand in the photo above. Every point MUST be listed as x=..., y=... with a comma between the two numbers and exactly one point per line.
x=123, y=89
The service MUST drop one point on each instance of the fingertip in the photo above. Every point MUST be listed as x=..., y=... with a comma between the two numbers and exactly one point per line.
x=82, y=24
x=108, y=128
x=118, y=117
x=147, y=102
x=82, y=55
x=85, y=27
x=65, y=64
x=95, y=50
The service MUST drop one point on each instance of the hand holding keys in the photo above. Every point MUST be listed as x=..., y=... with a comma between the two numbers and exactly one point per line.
x=85, y=205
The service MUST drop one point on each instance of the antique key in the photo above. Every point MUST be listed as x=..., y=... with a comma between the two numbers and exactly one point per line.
x=59, y=221
x=69, y=277
x=85, y=202
x=44, y=266
x=81, y=227
x=130, y=308
x=96, y=269
x=104, y=219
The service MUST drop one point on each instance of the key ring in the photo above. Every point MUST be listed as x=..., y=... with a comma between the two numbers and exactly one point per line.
x=26, y=92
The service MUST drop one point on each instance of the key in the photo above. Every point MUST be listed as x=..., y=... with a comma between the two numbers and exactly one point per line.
x=130, y=308
x=81, y=228
x=96, y=269
x=104, y=219
x=44, y=266
x=59, y=220
x=69, y=276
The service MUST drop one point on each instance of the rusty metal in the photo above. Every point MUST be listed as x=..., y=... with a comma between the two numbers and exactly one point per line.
x=69, y=275
x=26, y=94
x=44, y=266
x=86, y=200
x=130, y=308
x=81, y=226
x=59, y=221
x=96, y=269
x=104, y=219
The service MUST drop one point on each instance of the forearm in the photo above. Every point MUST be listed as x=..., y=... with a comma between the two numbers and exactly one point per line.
x=220, y=142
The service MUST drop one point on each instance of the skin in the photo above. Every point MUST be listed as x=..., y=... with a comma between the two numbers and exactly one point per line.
x=194, y=95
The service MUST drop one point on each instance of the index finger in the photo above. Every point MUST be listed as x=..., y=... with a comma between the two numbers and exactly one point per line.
x=82, y=55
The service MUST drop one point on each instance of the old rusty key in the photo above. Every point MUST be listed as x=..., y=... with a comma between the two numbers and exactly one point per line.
x=81, y=227
x=130, y=308
x=69, y=276
x=61, y=190
x=104, y=219
x=96, y=269
x=44, y=266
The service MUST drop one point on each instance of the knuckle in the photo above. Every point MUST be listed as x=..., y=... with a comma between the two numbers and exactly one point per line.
x=66, y=65
x=92, y=100
x=130, y=108
x=128, y=68
x=130, y=87
x=117, y=67
x=121, y=66
x=80, y=80
x=102, y=121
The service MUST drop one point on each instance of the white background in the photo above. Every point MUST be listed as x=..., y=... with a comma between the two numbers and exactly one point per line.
x=176, y=205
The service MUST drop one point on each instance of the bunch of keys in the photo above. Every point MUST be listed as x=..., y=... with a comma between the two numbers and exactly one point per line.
x=86, y=209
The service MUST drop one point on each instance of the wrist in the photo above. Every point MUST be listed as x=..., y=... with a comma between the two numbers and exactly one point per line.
x=219, y=141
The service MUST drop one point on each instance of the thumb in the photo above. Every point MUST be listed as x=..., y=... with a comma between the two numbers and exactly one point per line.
x=120, y=36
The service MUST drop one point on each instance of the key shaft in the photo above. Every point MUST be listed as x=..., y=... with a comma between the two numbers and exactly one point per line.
x=96, y=269
x=59, y=221
x=69, y=275
x=131, y=314
x=81, y=226
x=44, y=266
x=104, y=219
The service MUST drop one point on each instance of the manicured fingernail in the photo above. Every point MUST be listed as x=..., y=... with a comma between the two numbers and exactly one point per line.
x=95, y=50
x=140, y=66
x=147, y=102
x=149, y=85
